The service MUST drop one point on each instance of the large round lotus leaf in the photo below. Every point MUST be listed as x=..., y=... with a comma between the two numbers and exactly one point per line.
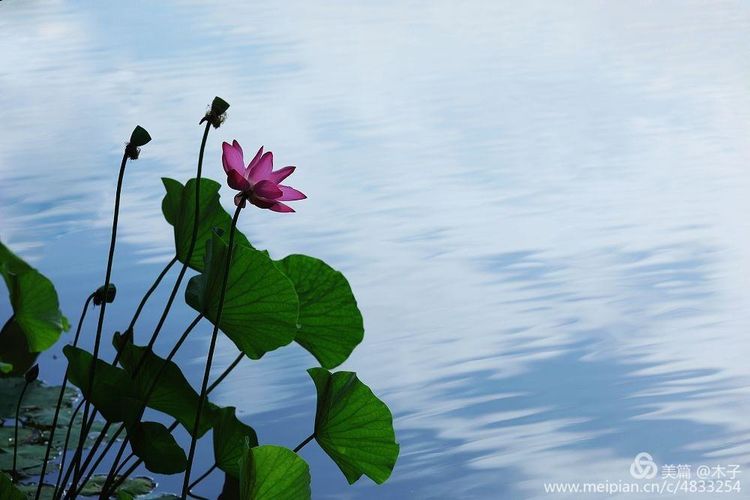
x=36, y=309
x=273, y=472
x=178, y=207
x=260, y=309
x=353, y=426
x=330, y=324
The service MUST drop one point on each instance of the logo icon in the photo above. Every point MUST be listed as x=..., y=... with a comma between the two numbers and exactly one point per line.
x=643, y=466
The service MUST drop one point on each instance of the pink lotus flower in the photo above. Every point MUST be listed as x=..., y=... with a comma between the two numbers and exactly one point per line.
x=258, y=182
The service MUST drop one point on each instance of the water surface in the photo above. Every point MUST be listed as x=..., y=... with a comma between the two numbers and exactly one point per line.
x=541, y=207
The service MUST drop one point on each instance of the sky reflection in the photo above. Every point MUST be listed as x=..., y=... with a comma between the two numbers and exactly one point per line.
x=540, y=206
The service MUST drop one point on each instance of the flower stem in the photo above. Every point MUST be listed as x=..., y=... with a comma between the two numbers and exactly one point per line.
x=119, y=478
x=183, y=270
x=303, y=443
x=211, y=349
x=59, y=403
x=100, y=324
x=145, y=298
x=15, y=431
x=144, y=403
x=226, y=372
x=202, y=477
x=150, y=291
x=191, y=248
x=64, y=450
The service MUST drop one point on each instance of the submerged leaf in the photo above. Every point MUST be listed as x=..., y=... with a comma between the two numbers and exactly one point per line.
x=260, y=307
x=330, y=324
x=273, y=472
x=178, y=207
x=353, y=426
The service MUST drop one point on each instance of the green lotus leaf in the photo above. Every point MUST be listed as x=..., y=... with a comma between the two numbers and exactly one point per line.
x=154, y=444
x=113, y=394
x=36, y=417
x=172, y=393
x=29, y=491
x=330, y=324
x=229, y=440
x=178, y=207
x=353, y=426
x=273, y=472
x=9, y=491
x=133, y=486
x=261, y=305
x=36, y=310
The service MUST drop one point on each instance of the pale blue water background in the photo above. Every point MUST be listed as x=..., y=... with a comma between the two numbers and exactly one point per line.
x=542, y=208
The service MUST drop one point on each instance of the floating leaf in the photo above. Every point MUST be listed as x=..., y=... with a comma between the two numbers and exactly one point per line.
x=260, y=306
x=113, y=394
x=8, y=490
x=38, y=397
x=29, y=491
x=273, y=472
x=154, y=444
x=30, y=458
x=178, y=207
x=36, y=310
x=229, y=440
x=134, y=486
x=330, y=324
x=353, y=426
x=36, y=417
x=172, y=393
